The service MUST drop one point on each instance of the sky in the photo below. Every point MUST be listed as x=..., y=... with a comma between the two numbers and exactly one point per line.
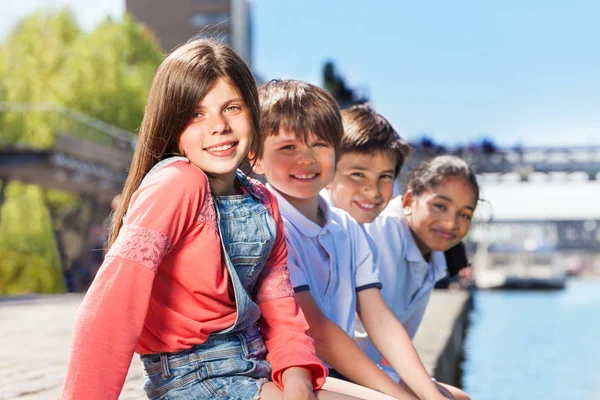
x=519, y=72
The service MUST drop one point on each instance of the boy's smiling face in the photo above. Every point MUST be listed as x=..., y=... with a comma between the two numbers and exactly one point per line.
x=363, y=184
x=297, y=169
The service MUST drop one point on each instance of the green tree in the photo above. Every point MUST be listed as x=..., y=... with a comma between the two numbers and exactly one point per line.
x=105, y=74
x=29, y=261
x=31, y=58
x=108, y=73
x=336, y=85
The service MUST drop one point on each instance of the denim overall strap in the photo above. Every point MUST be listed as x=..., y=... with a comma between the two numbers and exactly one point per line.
x=247, y=233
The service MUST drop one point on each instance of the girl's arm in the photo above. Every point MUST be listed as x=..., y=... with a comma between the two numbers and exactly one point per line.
x=340, y=351
x=284, y=328
x=282, y=324
x=390, y=338
x=111, y=318
x=106, y=331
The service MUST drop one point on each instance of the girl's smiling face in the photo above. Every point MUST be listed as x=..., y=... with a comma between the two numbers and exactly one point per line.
x=219, y=135
x=440, y=217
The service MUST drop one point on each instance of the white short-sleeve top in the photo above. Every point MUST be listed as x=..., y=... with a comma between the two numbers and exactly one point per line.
x=333, y=262
x=408, y=279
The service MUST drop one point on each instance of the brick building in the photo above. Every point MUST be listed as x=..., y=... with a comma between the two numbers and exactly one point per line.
x=174, y=22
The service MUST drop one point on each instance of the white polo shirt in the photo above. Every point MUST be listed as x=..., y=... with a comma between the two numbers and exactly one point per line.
x=409, y=279
x=333, y=262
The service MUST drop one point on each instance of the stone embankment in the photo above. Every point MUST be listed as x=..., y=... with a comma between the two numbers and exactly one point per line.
x=36, y=331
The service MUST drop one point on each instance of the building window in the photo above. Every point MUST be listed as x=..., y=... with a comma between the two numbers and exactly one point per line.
x=201, y=19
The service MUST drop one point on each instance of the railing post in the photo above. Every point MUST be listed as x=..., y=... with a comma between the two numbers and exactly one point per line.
x=3, y=185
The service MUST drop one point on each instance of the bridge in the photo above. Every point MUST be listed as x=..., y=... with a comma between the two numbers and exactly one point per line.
x=89, y=158
x=528, y=162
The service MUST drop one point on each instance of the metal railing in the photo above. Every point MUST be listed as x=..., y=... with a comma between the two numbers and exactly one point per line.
x=526, y=160
x=66, y=120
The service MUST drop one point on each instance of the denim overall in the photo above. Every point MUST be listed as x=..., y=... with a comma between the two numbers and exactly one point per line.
x=231, y=363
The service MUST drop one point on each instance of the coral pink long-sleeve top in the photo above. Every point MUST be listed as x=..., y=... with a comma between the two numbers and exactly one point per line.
x=164, y=287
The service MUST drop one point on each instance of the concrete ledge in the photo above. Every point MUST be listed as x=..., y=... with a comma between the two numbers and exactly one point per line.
x=36, y=332
x=439, y=340
x=36, y=336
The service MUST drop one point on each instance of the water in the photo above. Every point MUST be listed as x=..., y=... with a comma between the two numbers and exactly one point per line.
x=535, y=345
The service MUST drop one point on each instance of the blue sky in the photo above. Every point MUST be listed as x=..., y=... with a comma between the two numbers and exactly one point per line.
x=517, y=71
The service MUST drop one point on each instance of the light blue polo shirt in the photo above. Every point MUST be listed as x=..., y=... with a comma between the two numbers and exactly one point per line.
x=333, y=262
x=409, y=279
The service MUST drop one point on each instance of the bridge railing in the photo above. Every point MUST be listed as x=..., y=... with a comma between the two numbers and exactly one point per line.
x=76, y=135
x=62, y=119
x=90, y=139
x=526, y=160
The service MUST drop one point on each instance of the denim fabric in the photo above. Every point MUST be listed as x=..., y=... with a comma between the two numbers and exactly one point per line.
x=247, y=232
x=231, y=363
x=230, y=366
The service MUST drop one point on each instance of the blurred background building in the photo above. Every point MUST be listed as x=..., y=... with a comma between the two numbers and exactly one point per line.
x=228, y=20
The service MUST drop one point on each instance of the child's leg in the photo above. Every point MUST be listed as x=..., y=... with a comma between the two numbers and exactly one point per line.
x=270, y=391
x=341, y=387
x=334, y=389
x=454, y=391
x=448, y=391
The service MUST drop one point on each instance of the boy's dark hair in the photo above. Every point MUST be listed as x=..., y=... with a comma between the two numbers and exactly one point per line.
x=430, y=173
x=302, y=108
x=367, y=132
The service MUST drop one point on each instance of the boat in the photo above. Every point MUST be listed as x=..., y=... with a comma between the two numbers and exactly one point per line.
x=519, y=267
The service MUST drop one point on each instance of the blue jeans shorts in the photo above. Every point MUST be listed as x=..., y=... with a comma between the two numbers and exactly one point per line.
x=230, y=366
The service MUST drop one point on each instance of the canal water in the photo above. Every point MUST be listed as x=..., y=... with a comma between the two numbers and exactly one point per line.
x=534, y=345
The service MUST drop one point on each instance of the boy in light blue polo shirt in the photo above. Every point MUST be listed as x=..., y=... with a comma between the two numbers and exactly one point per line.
x=330, y=260
x=408, y=234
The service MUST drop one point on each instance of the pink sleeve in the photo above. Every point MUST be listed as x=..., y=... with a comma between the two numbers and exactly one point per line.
x=111, y=317
x=282, y=323
x=284, y=329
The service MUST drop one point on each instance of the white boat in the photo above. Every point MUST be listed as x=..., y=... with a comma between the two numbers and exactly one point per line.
x=513, y=267
x=537, y=228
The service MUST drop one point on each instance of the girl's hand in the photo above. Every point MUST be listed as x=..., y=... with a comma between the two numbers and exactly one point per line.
x=297, y=384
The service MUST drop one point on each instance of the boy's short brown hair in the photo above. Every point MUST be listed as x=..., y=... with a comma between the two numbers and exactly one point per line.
x=367, y=132
x=302, y=108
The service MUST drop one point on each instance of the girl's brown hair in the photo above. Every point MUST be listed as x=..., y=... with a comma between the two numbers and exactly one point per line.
x=181, y=82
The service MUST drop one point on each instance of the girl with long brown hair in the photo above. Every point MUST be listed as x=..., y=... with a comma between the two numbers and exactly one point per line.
x=195, y=279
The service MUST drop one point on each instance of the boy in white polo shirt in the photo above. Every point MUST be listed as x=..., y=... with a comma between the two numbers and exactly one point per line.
x=371, y=156
x=330, y=260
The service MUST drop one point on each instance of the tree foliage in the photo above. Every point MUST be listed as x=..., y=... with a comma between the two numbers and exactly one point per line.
x=32, y=57
x=108, y=73
x=105, y=74
x=336, y=85
x=29, y=261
